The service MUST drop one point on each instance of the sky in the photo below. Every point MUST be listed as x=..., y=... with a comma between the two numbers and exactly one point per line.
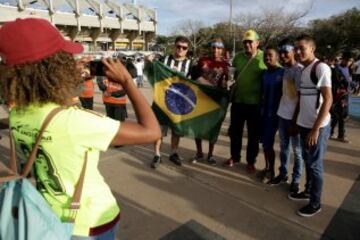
x=171, y=13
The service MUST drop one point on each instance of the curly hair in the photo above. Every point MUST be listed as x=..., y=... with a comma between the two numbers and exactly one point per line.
x=51, y=80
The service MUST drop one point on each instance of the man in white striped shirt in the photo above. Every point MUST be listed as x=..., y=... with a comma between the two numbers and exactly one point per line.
x=179, y=62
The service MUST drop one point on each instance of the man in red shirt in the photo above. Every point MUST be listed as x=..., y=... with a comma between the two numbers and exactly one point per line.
x=213, y=71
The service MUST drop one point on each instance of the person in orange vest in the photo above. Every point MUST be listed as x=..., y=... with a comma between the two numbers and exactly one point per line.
x=87, y=90
x=114, y=98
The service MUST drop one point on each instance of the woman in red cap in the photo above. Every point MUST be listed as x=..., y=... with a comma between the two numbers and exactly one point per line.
x=39, y=74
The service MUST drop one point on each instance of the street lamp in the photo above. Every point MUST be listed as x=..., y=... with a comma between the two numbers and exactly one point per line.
x=231, y=30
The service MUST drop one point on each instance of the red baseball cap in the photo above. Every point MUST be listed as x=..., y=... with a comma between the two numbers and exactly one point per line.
x=32, y=39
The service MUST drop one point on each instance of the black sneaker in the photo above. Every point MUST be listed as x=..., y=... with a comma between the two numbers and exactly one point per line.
x=196, y=158
x=211, y=160
x=279, y=179
x=301, y=196
x=309, y=211
x=268, y=177
x=294, y=187
x=156, y=162
x=175, y=159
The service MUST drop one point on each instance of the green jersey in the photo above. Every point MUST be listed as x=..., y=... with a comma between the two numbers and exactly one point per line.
x=60, y=158
x=247, y=88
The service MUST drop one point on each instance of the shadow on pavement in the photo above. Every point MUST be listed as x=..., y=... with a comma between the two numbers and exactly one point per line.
x=229, y=210
x=346, y=222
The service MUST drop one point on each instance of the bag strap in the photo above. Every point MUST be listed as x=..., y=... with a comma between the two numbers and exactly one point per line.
x=75, y=203
x=13, y=168
x=245, y=67
x=314, y=79
x=232, y=90
x=13, y=164
x=33, y=153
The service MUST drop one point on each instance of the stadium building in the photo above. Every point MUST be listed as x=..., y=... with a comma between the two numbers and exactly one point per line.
x=98, y=25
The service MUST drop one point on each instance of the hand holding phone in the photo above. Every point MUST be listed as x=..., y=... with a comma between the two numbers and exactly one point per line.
x=97, y=68
x=116, y=71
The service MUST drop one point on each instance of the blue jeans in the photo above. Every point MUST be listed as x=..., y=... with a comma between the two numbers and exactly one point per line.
x=285, y=141
x=314, y=157
x=108, y=235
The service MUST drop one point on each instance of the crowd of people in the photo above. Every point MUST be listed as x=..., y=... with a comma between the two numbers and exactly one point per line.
x=283, y=88
x=113, y=94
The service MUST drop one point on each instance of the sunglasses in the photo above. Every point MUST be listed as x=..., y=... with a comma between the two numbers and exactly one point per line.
x=182, y=47
x=247, y=42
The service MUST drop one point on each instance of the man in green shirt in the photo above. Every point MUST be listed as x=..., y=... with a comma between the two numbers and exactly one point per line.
x=245, y=107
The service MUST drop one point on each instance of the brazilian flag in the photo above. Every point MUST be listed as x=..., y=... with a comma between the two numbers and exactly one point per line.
x=187, y=107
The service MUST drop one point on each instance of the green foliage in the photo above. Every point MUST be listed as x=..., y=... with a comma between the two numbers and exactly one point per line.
x=333, y=35
x=337, y=33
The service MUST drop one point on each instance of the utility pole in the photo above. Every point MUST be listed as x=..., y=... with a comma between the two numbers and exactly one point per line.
x=231, y=28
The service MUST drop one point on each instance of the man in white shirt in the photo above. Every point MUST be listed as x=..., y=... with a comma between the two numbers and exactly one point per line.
x=313, y=121
x=288, y=133
x=139, y=65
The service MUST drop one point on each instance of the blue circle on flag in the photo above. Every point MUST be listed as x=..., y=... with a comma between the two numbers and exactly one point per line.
x=180, y=99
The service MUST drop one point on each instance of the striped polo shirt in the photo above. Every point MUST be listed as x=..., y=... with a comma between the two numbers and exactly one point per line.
x=182, y=66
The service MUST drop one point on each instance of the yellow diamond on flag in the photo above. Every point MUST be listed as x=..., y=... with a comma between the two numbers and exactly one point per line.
x=181, y=100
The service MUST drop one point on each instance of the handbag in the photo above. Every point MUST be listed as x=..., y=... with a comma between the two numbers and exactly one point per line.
x=24, y=213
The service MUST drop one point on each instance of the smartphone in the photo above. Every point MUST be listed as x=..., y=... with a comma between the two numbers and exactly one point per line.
x=97, y=68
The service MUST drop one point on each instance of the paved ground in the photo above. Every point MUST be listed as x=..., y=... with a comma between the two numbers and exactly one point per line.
x=212, y=202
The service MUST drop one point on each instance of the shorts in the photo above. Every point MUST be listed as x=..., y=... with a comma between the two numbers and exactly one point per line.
x=116, y=111
x=164, y=129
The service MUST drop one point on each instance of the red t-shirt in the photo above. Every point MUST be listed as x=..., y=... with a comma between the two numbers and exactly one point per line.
x=213, y=71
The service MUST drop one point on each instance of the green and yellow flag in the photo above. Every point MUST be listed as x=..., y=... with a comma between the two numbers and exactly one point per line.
x=187, y=107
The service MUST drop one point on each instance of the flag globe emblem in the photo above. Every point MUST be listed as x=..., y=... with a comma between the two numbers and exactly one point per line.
x=180, y=99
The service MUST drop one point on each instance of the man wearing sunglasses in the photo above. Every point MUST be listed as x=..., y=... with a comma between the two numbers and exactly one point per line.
x=246, y=94
x=179, y=62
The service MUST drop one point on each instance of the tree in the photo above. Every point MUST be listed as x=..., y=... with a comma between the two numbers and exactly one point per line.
x=337, y=33
x=273, y=24
x=163, y=43
x=223, y=30
x=197, y=33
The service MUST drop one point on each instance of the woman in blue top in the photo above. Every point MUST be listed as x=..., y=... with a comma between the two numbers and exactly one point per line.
x=271, y=95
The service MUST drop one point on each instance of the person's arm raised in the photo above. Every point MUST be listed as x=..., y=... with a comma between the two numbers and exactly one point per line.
x=147, y=129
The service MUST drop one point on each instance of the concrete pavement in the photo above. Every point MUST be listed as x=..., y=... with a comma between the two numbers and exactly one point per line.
x=212, y=202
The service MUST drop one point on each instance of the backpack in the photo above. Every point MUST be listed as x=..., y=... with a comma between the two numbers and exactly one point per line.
x=24, y=213
x=315, y=80
x=340, y=91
